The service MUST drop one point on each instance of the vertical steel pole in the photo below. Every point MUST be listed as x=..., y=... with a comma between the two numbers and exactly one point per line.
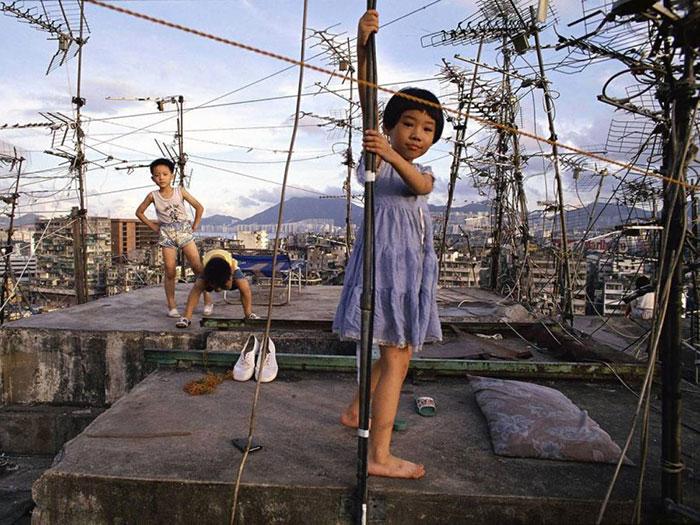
x=8, y=244
x=684, y=103
x=367, y=299
x=79, y=243
x=461, y=127
x=348, y=181
x=565, y=272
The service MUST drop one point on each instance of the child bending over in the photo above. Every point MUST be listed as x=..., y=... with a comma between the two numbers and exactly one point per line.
x=405, y=312
x=221, y=272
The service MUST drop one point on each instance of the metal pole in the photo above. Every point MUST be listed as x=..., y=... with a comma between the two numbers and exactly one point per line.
x=79, y=248
x=181, y=161
x=367, y=300
x=565, y=273
x=500, y=176
x=684, y=101
x=694, y=328
x=349, y=161
x=524, y=281
x=8, y=244
x=457, y=153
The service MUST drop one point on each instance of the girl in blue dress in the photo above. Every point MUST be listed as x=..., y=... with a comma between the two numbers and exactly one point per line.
x=405, y=314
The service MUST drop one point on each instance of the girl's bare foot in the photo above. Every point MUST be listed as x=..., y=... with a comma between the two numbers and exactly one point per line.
x=395, y=467
x=350, y=418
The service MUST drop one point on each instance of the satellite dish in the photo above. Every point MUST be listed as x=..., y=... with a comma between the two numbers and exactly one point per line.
x=542, y=11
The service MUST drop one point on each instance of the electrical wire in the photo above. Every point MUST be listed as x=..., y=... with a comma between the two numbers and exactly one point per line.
x=312, y=67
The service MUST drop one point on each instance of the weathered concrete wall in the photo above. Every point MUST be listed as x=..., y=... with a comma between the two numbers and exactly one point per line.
x=41, y=429
x=88, y=368
x=95, y=500
x=290, y=342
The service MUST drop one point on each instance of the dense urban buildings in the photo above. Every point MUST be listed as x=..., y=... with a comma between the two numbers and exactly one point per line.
x=123, y=254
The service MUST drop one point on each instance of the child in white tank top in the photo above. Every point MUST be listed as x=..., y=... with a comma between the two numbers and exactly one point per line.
x=174, y=227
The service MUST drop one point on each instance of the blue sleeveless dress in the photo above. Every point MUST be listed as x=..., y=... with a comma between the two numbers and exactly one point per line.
x=406, y=269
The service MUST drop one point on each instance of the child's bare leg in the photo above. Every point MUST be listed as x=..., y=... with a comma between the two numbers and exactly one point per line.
x=246, y=296
x=394, y=362
x=169, y=264
x=351, y=415
x=192, y=254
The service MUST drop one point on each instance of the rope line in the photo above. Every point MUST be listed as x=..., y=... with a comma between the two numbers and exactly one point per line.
x=262, y=357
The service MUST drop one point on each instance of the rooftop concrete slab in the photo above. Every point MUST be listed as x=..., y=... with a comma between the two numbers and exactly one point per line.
x=92, y=354
x=162, y=456
x=144, y=309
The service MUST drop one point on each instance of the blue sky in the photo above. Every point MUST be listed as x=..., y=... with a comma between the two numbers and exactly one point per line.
x=129, y=58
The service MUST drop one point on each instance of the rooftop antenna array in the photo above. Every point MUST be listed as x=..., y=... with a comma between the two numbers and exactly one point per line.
x=499, y=164
x=65, y=21
x=12, y=159
x=340, y=54
x=657, y=45
x=60, y=18
x=179, y=157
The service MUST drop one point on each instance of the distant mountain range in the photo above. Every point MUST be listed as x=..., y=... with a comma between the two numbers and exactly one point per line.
x=220, y=220
x=474, y=207
x=604, y=217
x=23, y=220
x=302, y=208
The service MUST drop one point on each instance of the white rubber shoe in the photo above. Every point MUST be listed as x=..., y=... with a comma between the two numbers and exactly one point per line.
x=208, y=309
x=269, y=364
x=173, y=313
x=245, y=366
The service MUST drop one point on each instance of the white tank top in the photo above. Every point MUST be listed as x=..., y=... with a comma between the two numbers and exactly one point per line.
x=172, y=209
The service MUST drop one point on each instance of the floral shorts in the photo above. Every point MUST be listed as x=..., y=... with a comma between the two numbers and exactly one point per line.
x=176, y=234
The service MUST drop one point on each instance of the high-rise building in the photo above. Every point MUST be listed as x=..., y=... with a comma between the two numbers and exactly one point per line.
x=129, y=235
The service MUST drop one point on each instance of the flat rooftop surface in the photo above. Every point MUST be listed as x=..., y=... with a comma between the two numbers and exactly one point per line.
x=145, y=310
x=161, y=455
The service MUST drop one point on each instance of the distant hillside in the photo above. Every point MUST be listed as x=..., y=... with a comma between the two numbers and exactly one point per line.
x=220, y=220
x=474, y=207
x=301, y=208
x=23, y=220
x=604, y=217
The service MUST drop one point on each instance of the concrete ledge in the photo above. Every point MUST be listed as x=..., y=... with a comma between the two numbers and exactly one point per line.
x=95, y=500
x=288, y=342
x=159, y=455
x=41, y=429
x=90, y=368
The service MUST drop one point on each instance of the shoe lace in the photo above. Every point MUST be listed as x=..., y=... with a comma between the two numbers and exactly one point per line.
x=248, y=351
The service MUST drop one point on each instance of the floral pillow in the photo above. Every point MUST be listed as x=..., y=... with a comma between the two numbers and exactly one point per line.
x=534, y=421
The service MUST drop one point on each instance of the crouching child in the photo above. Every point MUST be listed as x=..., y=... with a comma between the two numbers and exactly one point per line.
x=220, y=273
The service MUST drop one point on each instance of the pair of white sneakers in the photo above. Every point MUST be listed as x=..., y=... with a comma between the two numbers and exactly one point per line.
x=246, y=367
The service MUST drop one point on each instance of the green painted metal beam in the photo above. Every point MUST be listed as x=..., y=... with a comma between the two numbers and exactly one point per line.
x=449, y=367
x=220, y=323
